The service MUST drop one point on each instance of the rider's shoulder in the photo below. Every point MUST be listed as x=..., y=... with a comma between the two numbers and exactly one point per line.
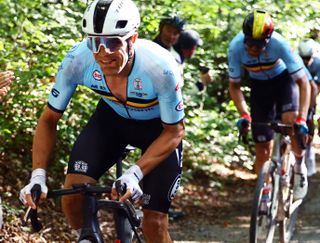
x=149, y=50
x=237, y=41
x=278, y=38
x=76, y=60
x=79, y=50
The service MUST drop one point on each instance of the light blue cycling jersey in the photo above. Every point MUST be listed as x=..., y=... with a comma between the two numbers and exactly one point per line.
x=271, y=62
x=153, y=89
x=314, y=68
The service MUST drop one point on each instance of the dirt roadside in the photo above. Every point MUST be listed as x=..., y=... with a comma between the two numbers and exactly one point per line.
x=212, y=214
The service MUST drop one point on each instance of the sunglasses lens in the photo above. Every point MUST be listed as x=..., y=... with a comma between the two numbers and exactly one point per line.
x=113, y=44
x=255, y=43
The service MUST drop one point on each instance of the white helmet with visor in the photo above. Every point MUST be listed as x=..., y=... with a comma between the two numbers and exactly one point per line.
x=306, y=48
x=109, y=23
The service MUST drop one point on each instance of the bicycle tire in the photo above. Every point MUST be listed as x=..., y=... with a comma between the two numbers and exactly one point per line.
x=262, y=226
x=287, y=225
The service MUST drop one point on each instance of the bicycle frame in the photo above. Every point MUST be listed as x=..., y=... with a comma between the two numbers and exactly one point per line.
x=282, y=210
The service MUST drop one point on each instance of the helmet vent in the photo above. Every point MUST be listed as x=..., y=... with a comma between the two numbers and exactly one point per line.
x=84, y=23
x=121, y=24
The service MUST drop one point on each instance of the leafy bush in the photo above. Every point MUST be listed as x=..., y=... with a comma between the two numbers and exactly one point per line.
x=35, y=36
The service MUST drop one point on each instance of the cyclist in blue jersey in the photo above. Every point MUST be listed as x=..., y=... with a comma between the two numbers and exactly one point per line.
x=170, y=28
x=185, y=48
x=141, y=105
x=308, y=52
x=277, y=79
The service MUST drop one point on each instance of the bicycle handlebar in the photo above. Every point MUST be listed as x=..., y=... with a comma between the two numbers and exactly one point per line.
x=282, y=128
x=79, y=188
x=88, y=190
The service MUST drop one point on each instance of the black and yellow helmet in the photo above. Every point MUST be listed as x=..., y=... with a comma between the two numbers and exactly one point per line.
x=258, y=25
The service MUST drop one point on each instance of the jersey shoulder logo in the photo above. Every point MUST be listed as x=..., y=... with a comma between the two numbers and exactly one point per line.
x=55, y=93
x=180, y=106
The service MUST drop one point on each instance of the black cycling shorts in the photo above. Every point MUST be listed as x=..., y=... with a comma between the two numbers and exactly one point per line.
x=102, y=143
x=269, y=98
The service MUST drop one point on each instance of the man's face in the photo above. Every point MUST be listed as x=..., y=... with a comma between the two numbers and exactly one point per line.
x=254, y=51
x=169, y=35
x=306, y=60
x=188, y=53
x=255, y=47
x=112, y=55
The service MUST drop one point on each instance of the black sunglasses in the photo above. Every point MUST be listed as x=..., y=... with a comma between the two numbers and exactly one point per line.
x=255, y=43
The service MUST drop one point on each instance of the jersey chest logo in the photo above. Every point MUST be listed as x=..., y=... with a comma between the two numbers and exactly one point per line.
x=137, y=84
x=97, y=75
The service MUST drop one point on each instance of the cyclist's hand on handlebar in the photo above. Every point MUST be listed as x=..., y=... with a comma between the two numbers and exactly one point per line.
x=301, y=126
x=301, y=132
x=130, y=180
x=243, y=124
x=38, y=176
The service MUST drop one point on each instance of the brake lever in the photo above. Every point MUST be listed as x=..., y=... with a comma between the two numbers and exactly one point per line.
x=32, y=214
x=121, y=188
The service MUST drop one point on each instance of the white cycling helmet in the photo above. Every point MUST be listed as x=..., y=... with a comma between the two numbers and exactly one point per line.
x=306, y=48
x=111, y=17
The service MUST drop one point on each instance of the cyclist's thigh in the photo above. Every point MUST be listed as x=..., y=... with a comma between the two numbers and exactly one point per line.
x=287, y=100
x=262, y=102
x=98, y=146
x=161, y=184
x=76, y=179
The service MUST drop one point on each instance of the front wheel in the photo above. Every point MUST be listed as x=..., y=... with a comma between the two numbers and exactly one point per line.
x=290, y=207
x=263, y=222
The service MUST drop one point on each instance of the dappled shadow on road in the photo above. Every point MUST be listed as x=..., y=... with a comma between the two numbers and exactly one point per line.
x=215, y=214
x=223, y=215
x=217, y=209
x=308, y=225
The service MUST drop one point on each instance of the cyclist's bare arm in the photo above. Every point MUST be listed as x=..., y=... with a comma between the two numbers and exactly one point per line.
x=43, y=143
x=44, y=138
x=313, y=93
x=304, y=94
x=158, y=151
x=238, y=98
x=162, y=147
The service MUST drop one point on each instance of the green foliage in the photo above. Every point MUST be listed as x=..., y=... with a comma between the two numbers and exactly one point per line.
x=35, y=36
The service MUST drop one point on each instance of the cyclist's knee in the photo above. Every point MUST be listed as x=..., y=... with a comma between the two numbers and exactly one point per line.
x=289, y=117
x=72, y=204
x=155, y=226
x=263, y=150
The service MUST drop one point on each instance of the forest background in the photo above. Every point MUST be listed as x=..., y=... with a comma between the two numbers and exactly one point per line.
x=36, y=35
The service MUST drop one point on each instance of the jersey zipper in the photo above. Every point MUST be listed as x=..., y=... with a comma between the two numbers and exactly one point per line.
x=124, y=103
x=268, y=77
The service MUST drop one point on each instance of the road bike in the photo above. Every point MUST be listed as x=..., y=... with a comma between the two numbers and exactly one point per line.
x=125, y=215
x=276, y=179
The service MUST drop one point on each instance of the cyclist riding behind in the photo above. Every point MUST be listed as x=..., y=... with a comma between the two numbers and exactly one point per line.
x=185, y=48
x=308, y=52
x=170, y=28
x=274, y=73
x=141, y=105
